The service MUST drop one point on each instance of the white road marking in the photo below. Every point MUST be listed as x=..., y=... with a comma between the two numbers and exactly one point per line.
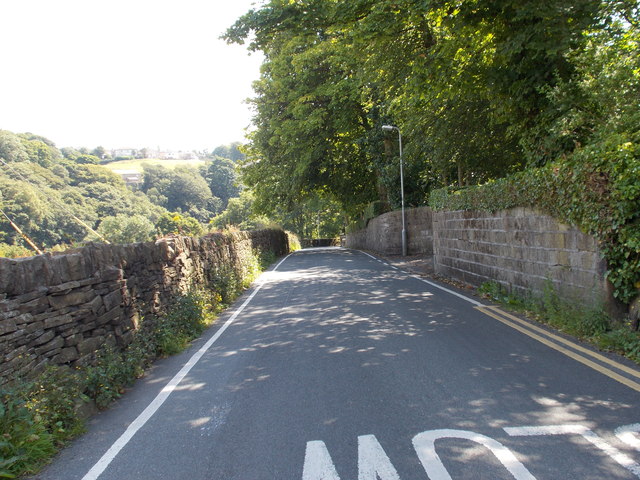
x=373, y=462
x=459, y=295
x=589, y=435
x=435, y=285
x=317, y=463
x=626, y=434
x=424, y=445
x=157, y=402
x=368, y=255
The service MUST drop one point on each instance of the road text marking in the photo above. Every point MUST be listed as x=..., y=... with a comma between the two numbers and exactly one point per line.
x=584, y=432
x=374, y=463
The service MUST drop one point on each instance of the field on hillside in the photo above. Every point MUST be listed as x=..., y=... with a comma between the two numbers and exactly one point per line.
x=136, y=164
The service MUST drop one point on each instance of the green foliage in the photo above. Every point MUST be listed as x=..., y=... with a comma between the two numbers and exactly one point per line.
x=240, y=214
x=596, y=192
x=185, y=320
x=37, y=416
x=25, y=443
x=116, y=368
x=231, y=152
x=623, y=340
x=265, y=259
x=226, y=283
x=372, y=210
x=50, y=198
x=11, y=148
x=163, y=335
x=105, y=381
x=54, y=396
x=478, y=89
x=180, y=189
x=15, y=251
x=124, y=228
x=178, y=224
x=220, y=174
x=595, y=184
x=294, y=242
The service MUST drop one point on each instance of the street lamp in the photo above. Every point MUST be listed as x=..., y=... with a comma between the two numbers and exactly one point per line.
x=391, y=128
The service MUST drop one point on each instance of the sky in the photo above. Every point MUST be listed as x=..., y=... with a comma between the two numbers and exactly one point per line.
x=125, y=73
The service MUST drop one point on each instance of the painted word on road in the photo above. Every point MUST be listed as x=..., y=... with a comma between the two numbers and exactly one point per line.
x=374, y=463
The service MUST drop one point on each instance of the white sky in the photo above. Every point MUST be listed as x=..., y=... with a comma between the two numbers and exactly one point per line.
x=125, y=73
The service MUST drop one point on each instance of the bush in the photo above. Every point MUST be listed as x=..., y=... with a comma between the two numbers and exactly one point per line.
x=186, y=319
x=25, y=443
x=15, y=251
x=36, y=417
x=294, y=242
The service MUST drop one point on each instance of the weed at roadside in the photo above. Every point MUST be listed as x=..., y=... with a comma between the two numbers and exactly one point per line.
x=36, y=417
x=588, y=323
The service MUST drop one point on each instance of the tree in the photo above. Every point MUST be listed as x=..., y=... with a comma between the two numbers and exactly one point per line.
x=231, y=152
x=123, y=229
x=311, y=124
x=40, y=150
x=175, y=223
x=99, y=152
x=11, y=148
x=182, y=189
x=222, y=179
x=57, y=201
x=467, y=83
x=240, y=214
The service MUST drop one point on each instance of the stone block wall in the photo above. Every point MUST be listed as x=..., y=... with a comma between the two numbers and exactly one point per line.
x=60, y=309
x=520, y=248
x=383, y=233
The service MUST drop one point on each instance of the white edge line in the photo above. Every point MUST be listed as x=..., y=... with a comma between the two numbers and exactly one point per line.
x=368, y=255
x=435, y=285
x=157, y=402
x=464, y=297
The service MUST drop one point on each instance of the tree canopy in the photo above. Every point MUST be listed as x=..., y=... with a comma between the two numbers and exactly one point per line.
x=479, y=89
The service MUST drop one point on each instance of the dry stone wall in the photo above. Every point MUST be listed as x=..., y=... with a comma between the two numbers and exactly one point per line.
x=61, y=309
x=520, y=248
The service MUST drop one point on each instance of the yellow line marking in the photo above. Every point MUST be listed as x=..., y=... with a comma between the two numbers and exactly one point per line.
x=585, y=361
x=573, y=345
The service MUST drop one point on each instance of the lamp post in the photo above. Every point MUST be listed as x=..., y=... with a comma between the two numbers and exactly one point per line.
x=391, y=128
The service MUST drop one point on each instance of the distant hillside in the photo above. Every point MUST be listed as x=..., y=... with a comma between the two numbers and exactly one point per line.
x=136, y=164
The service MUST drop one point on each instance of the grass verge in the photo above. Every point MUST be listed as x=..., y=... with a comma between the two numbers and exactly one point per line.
x=589, y=323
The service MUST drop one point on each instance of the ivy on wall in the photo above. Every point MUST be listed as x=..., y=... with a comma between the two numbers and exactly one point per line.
x=597, y=189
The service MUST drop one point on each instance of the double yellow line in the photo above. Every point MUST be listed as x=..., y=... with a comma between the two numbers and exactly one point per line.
x=586, y=356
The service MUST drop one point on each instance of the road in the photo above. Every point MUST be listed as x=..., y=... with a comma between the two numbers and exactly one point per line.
x=338, y=366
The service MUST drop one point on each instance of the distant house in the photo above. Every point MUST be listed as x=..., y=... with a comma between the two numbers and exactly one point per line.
x=189, y=156
x=167, y=155
x=123, y=152
x=132, y=178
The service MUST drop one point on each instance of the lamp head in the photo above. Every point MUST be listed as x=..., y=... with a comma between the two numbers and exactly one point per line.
x=388, y=128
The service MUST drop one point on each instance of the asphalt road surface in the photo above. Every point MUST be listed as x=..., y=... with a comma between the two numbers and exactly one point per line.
x=338, y=366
